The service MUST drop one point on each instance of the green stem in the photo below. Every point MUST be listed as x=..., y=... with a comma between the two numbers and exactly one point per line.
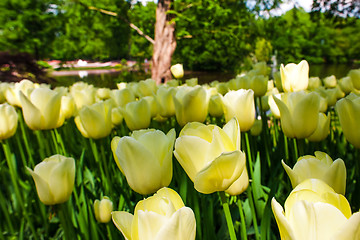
x=286, y=149
x=253, y=212
x=109, y=232
x=25, y=138
x=249, y=155
x=242, y=218
x=227, y=213
x=296, y=151
x=5, y=211
x=100, y=164
x=60, y=141
x=65, y=221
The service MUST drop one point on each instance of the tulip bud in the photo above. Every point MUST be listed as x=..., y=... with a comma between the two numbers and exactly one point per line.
x=295, y=77
x=314, y=83
x=256, y=128
x=259, y=85
x=354, y=74
x=162, y=216
x=8, y=121
x=122, y=97
x=103, y=209
x=131, y=114
x=177, y=70
x=54, y=178
x=330, y=81
x=216, y=106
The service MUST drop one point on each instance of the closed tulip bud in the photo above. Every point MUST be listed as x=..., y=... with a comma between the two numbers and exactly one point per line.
x=320, y=166
x=191, y=104
x=8, y=121
x=3, y=87
x=265, y=103
x=132, y=113
x=177, y=70
x=12, y=93
x=314, y=83
x=261, y=68
x=145, y=158
x=346, y=85
x=42, y=108
x=259, y=85
x=162, y=216
x=54, y=178
x=295, y=77
x=172, y=83
x=153, y=104
x=212, y=158
x=94, y=121
x=314, y=211
x=145, y=88
x=354, y=74
x=216, y=106
x=222, y=88
x=277, y=80
x=330, y=81
x=103, y=93
x=240, y=104
x=122, y=97
x=349, y=116
x=192, y=82
x=322, y=130
x=164, y=96
x=256, y=128
x=83, y=94
x=103, y=209
x=116, y=116
x=299, y=112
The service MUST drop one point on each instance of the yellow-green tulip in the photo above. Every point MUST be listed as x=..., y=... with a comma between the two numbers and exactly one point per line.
x=94, y=121
x=256, y=128
x=3, y=88
x=162, y=216
x=314, y=83
x=299, y=113
x=322, y=130
x=103, y=93
x=212, y=158
x=145, y=88
x=320, y=166
x=314, y=211
x=145, y=158
x=216, y=106
x=191, y=104
x=42, y=108
x=259, y=84
x=116, y=116
x=192, y=82
x=67, y=106
x=330, y=81
x=349, y=116
x=346, y=85
x=103, y=209
x=354, y=74
x=137, y=114
x=8, y=121
x=12, y=93
x=122, y=97
x=177, y=70
x=83, y=94
x=240, y=104
x=54, y=178
x=164, y=96
x=295, y=77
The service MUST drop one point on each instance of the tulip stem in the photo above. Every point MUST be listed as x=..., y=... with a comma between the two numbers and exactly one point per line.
x=227, y=213
x=242, y=218
x=25, y=138
x=253, y=212
x=65, y=221
x=286, y=149
x=296, y=154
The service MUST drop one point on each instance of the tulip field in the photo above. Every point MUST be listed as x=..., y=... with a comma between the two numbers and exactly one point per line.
x=256, y=157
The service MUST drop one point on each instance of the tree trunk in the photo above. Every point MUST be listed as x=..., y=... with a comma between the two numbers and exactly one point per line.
x=165, y=42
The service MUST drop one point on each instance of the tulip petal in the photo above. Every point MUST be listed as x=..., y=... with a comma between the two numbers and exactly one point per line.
x=114, y=144
x=42, y=188
x=335, y=176
x=350, y=230
x=123, y=221
x=149, y=224
x=285, y=229
x=285, y=118
x=232, y=129
x=240, y=185
x=32, y=114
x=181, y=220
x=220, y=173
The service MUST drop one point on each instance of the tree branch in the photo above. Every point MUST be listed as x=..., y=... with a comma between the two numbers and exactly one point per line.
x=141, y=33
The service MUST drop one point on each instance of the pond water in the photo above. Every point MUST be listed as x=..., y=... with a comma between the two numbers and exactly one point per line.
x=109, y=78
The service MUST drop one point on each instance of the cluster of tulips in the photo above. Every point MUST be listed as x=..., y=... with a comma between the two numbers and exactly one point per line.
x=80, y=143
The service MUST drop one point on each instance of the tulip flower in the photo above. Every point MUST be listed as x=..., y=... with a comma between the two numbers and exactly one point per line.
x=314, y=83
x=145, y=158
x=191, y=104
x=330, y=81
x=164, y=96
x=67, y=106
x=295, y=77
x=177, y=70
x=346, y=85
x=103, y=93
x=137, y=114
x=322, y=130
x=3, y=88
x=240, y=104
x=216, y=106
x=12, y=93
x=83, y=94
x=116, y=116
x=122, y=97
x=349, y=116
x=8, y=121
x=42, y=108
x=94, y=121
x=103, y=209
x=212, y=158
x=145, y=88
x=299, y=112
x=162, y=216
x=320, y=166
x=54, y=178
x=314, y=211
x=259, y=84
x=256, y=128
x=354, y=74
x=192, y=82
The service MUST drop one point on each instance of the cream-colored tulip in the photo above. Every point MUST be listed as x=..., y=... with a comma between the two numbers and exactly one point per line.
x=164, y=96
x=83, y=94
x=12, y=93
x=330, y=81
x=191, y=104
x=177, y=70
x=42, y=108
x=320, y=166
x=212, y=158
x=68, y=107
x=162, y=216
x=299, y=113
x=346, y=85
x=3, y=88
x=314, y=83
x=8, y=121
x=240, y=104
x=103, y=209
x=122, y=97
x=348, y=111
x=314, y=211
x=354, y=74
x=116, y=116
x=145, y=88
x=54, y=178
x=295, y=77
x=94, y=121
x=145, y=158
x=137, y=114
x=322, y=130
x=191, y=82
x=216, y=108
x=103, y=93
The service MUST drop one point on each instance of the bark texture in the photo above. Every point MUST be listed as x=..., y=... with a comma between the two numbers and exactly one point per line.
x=165, y=42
